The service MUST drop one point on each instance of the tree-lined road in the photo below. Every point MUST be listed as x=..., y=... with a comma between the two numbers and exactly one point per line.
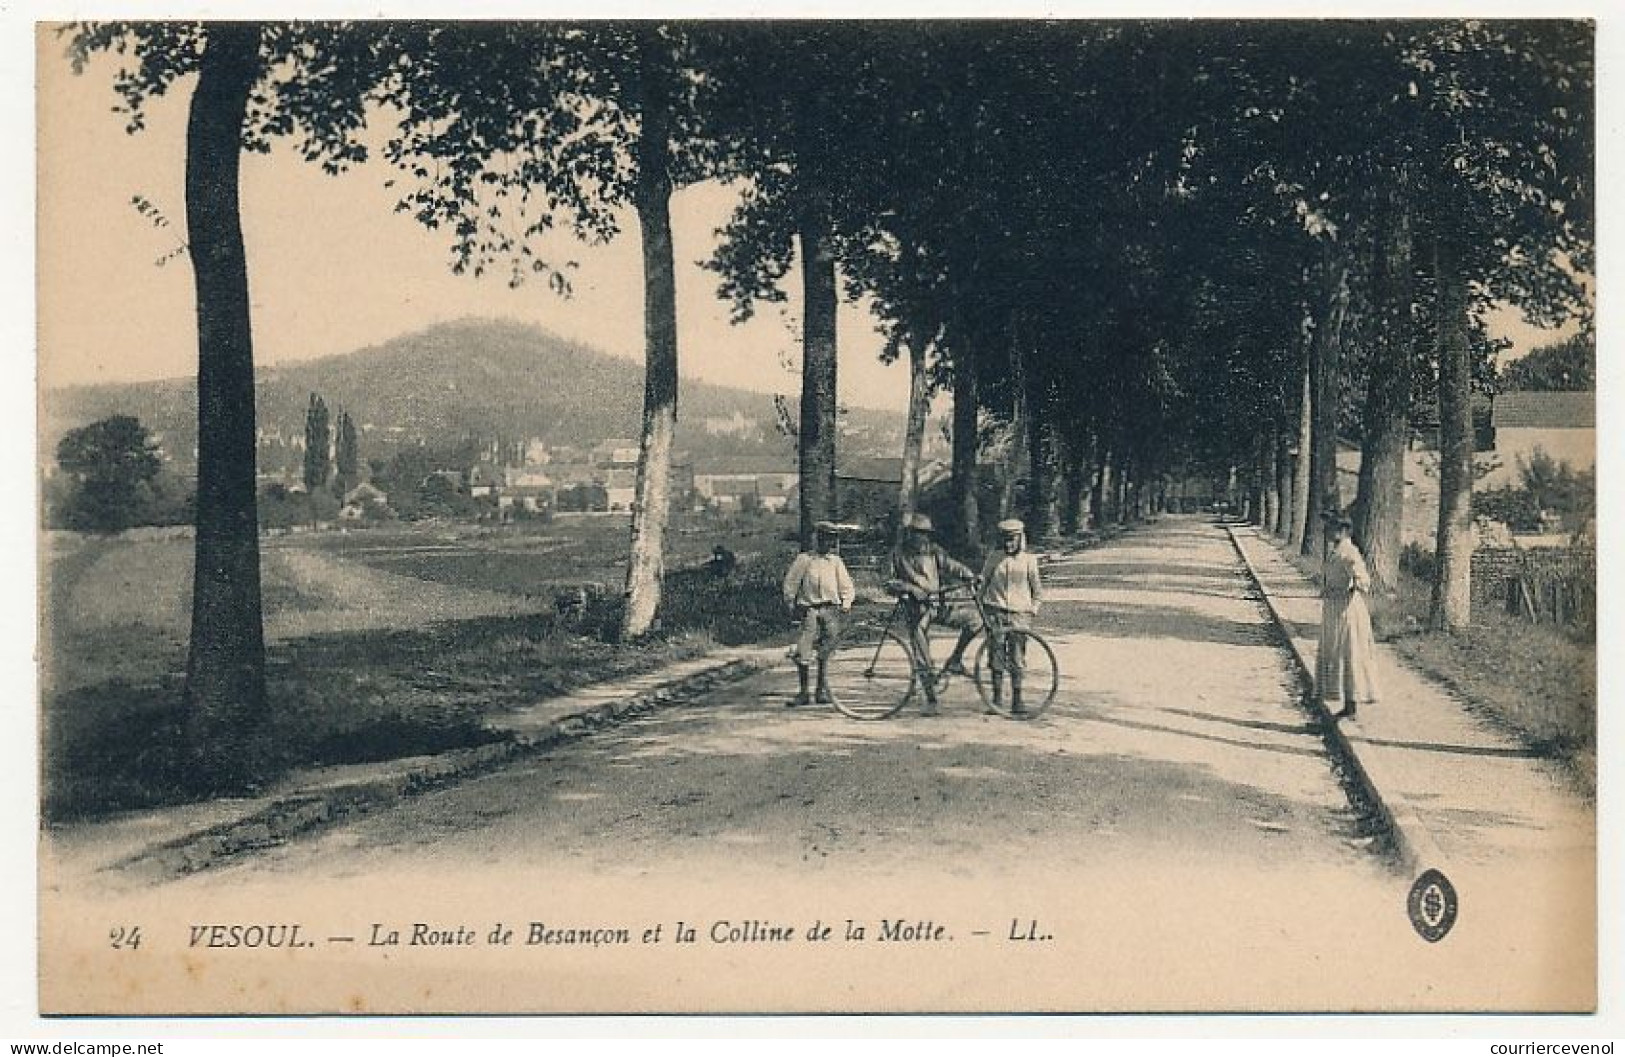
x=1170, y=835
x=1176, y=734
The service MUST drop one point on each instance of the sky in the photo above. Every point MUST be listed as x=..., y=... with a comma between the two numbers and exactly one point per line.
x=333, y=268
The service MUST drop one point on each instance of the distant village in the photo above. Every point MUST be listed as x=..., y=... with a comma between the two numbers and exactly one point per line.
x=531, y=477
x=402, y=474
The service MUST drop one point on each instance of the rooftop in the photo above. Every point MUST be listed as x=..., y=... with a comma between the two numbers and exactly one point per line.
x=1545, y=411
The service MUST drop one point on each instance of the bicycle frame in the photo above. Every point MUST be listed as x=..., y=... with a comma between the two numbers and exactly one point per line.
x=922, y=665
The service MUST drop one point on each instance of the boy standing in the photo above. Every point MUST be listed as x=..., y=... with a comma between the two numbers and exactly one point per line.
x=818, y=589
x=1012, y=591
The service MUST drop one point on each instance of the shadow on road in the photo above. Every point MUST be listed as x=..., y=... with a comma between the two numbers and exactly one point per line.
x=1133, y=621
x=1139, y=572
x=906, y=787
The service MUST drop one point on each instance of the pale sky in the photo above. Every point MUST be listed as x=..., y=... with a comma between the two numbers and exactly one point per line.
x=332, y=268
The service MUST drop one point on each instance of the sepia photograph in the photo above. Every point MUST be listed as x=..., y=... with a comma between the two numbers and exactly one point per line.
x=817, y=516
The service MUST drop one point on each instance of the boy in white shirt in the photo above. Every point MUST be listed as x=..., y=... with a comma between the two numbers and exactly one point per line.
x=1012, y=591
x=818, y=588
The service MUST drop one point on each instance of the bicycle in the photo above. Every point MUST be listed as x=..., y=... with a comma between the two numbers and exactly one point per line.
x=875, y=678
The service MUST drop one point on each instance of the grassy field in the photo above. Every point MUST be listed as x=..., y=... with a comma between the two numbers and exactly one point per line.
x=380, y=643
x=1536, y=680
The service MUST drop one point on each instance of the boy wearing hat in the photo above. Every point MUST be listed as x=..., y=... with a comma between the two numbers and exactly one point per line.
x=1012, y=591
x=818, y=588
x=922, y=569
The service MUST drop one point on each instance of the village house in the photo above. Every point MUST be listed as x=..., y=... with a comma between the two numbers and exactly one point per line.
x=527, y=489
x=615, y=463
x=484, y=480
x=731, y=482
x=1561, y=425
x=363, y=501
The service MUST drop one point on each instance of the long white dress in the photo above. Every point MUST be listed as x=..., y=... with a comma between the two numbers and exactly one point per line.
x=1347, y=661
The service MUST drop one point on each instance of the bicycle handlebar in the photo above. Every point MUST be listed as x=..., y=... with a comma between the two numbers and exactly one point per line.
x=897, y=589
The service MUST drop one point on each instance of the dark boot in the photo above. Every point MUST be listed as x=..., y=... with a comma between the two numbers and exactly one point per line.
x=998, y=694
x=803, y=698
x=823, y=697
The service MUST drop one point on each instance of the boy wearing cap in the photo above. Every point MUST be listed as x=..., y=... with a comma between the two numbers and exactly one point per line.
x=1012, y=591
x=922, y=569
x=818, y=589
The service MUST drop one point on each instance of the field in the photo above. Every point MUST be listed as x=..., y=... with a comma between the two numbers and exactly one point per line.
x=380, y=642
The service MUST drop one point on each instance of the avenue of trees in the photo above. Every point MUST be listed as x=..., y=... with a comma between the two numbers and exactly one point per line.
x=1130, y=251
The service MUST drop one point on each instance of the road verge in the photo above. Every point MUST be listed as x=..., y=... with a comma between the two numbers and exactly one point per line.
x=320, y=799
x=1414, y=846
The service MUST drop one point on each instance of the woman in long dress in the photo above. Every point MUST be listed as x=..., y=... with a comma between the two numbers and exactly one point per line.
x=1347, y=662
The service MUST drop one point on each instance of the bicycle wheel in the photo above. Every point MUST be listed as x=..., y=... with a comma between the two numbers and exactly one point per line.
x=871, y=678
x=1040, y=677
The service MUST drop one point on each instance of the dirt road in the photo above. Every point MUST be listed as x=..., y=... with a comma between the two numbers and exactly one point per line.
x=1170, y=835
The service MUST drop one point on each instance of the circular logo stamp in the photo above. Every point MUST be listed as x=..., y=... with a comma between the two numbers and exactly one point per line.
x=1432, y=906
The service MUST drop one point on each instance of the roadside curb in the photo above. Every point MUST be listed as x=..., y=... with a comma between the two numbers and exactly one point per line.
x=1415, y=846
x=301, y=812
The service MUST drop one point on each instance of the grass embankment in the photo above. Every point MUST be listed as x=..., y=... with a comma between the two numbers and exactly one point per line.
x=1538, y=681
x=379, y=647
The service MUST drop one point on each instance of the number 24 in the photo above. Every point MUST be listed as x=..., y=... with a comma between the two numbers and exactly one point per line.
x=125, y=938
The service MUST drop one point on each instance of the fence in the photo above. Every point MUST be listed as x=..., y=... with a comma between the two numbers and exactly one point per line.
x=1557, y=584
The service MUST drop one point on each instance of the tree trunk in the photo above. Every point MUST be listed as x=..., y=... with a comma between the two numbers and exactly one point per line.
x=1122, y=475
x=919, y=402
x=818, y=361
x=1016, y=449
x=1106, y=491
x=1267, y=481
x=224, y=694
x=1452, y=585
x=1325, y=495
x=1282, y=464
x=965, y=444
x=1300, y=462
x=651, y=507
x=1075, y=487
x=1380, y=502
x=1042, y=513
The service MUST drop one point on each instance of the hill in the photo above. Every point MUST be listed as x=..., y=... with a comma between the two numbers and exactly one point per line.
x=472, y=378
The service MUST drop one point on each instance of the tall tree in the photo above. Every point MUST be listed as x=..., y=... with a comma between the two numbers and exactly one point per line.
x=225, y=669
x=318, y=445
x=1386, y=421
x=1304, y=441
x=346, y=456
x=1569, y=365
x=652, y=197
x=1451, y=608
x=1505, y=170
x=254, y=83
x=797, y=111
x=515, y=128
x=1324, y=493
x=919, y=405
x=110, y=462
